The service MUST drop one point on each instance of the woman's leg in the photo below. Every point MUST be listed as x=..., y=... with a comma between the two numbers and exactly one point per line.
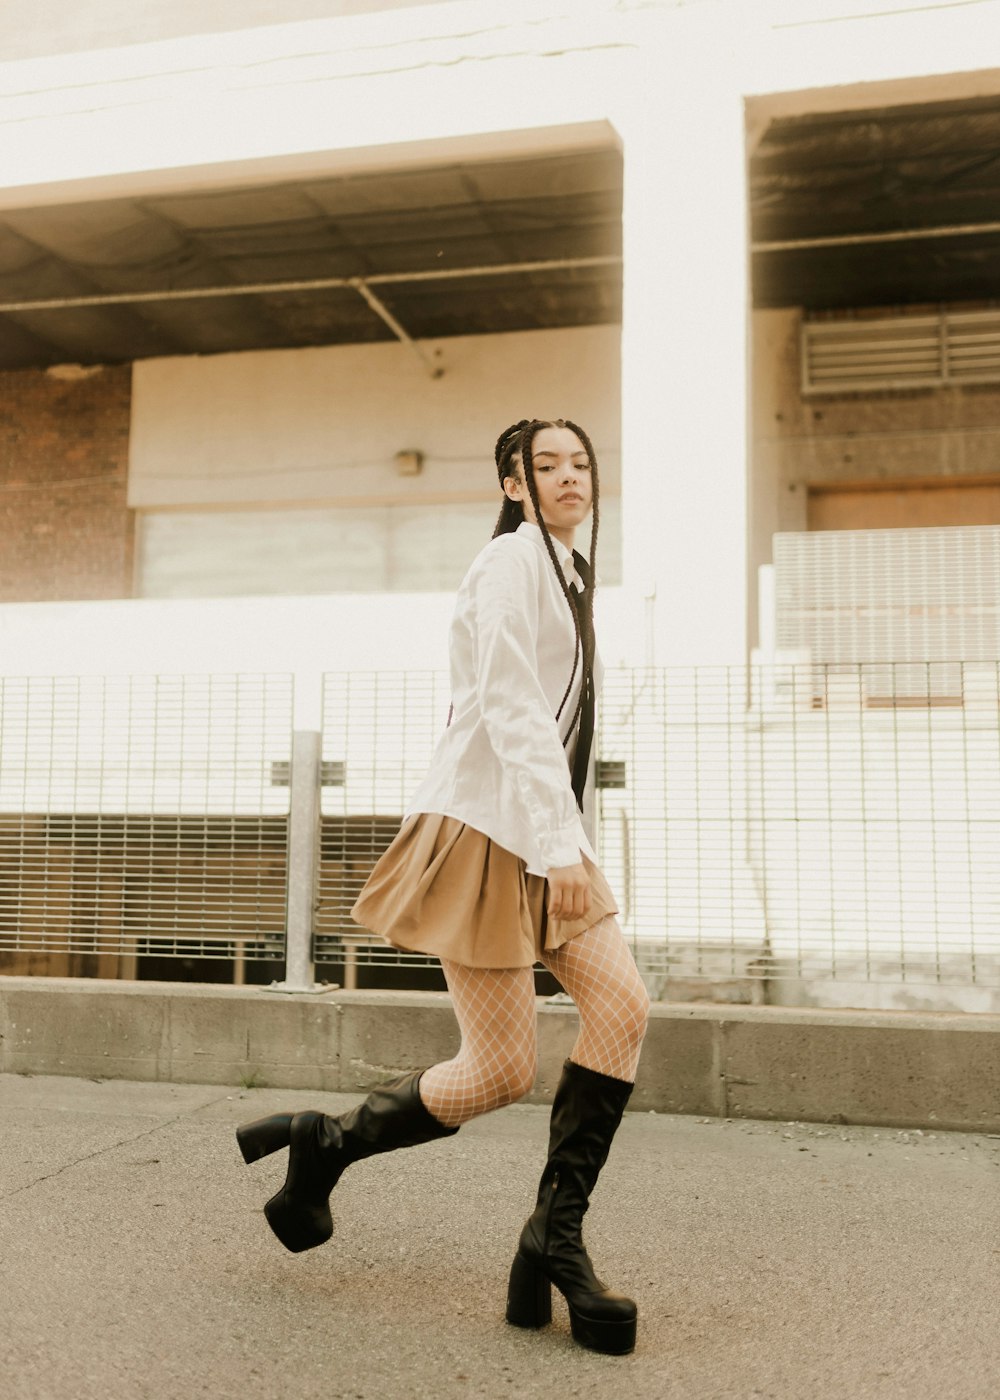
x=497, y=1061
x=599, y=972
x=496, y=1064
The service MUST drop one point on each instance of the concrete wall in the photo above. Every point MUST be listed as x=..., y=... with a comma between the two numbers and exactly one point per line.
x=312, y=428
x=946, y=434
x=65, y=528
x=34, y=28
x=427, y=84
x=389, y=87
x=301, y=635
x=938, y=1071
x=324, y=424
x=950, y=433
x=319, y=430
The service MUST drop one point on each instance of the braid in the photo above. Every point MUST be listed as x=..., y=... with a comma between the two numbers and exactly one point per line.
x=502, y=441
x=527, y=466
x=511, y=512
x=516, y=441
x=595, y=523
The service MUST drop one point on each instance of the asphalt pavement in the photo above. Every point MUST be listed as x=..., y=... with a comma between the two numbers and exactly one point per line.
x=783, y=1260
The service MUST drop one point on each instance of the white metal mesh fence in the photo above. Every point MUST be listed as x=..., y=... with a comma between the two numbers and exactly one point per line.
x=884, y=597
x=751, y=828
x=139, y=815
x=379, y=732
x=754, y=825
x=763, y=832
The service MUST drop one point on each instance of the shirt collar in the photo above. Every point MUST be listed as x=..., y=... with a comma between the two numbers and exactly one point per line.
x=564, y=555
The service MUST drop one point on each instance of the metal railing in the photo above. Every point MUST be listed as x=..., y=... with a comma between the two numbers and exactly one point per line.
x=781, y=824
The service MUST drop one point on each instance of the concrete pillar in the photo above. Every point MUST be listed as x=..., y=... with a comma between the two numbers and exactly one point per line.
x=685, y=347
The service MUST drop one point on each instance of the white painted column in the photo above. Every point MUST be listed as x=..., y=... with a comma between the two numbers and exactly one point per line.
x=685, y=347
x=303, y=849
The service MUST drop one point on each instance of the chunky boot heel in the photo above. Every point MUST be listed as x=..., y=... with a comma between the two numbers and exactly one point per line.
x=529, y=1295
x=296, y=1225
x=299, y=1214
x=322, y=1147
x=614, y=1338
x=267, y=1135
x=586, y=1112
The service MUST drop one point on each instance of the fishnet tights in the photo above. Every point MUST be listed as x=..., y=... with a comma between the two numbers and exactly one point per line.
x=496, y=1064
x=599, y=972
x=495, y=1008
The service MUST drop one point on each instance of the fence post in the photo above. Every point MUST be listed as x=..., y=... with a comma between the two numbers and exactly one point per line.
x=303, y=845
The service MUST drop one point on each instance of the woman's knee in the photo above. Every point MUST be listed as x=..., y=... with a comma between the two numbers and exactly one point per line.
x=633, y=1012
x=515, y=1077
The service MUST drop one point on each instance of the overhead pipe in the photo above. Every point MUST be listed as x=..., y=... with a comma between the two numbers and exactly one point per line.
x=849, y=240
x=315, y=284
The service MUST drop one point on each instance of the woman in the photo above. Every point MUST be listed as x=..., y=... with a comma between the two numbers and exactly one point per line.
x=492, y=871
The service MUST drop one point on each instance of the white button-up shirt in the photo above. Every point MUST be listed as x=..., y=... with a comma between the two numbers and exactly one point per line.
x=501, y=766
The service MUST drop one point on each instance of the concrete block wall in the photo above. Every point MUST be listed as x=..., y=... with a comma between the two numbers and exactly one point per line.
x=935, y=1070
x=948, y=434
x=65, y=528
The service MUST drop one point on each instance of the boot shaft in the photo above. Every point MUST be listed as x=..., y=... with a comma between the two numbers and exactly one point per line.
x=586, y=1113
x=392, y=1116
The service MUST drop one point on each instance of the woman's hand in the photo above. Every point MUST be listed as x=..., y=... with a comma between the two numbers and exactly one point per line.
x=569, y=892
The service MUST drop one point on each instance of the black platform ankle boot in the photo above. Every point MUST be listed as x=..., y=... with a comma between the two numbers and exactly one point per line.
x=321, y=1147
x=586, y=1112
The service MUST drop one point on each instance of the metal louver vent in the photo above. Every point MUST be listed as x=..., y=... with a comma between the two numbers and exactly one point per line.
x=900, y=352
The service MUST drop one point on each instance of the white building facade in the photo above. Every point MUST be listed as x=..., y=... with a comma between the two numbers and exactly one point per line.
x=278, y=523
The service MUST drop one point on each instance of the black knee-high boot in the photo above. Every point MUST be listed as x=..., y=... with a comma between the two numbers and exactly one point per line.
x=322, y=1147
x=586, y=1112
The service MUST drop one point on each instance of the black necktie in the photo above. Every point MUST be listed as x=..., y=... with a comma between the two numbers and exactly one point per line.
x=581, y=759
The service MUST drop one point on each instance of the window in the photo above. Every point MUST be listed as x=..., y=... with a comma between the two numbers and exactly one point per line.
x=342, y=549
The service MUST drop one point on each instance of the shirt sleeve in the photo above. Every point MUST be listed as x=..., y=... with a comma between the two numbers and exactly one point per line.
x=517, y=715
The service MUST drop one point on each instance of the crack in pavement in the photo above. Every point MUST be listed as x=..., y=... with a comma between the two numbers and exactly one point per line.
x=111, y=1147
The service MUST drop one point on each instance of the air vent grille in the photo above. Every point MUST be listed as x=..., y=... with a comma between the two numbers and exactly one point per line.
x=900, y=352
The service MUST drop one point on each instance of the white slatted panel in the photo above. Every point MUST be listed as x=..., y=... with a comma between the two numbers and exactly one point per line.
x=928, y=597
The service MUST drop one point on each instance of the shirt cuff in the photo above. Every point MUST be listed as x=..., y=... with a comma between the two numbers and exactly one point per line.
x=561, y=847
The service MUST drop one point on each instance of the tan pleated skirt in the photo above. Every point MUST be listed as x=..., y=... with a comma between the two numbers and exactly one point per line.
x=446, y=889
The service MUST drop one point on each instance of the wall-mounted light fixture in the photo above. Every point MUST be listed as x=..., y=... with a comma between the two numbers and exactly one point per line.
x=409, y=463
x=72, y=373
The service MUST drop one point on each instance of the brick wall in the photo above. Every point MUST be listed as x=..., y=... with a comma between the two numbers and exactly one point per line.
x=65, y=530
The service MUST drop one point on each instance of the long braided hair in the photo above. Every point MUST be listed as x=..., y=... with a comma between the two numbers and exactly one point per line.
x=515, y=443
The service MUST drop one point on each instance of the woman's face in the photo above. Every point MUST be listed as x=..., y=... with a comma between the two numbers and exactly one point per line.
x=562, y=481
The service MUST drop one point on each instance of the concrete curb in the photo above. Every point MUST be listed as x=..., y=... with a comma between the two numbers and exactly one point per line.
x=901, y=1069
